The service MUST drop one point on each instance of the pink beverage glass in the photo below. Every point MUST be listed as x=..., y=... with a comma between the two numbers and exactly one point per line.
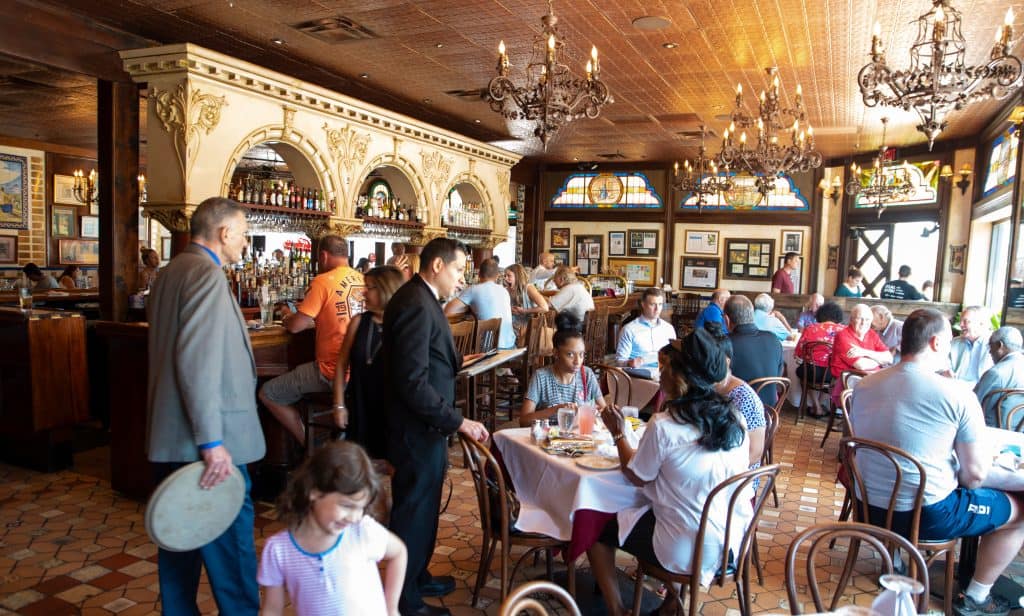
x=585, y=418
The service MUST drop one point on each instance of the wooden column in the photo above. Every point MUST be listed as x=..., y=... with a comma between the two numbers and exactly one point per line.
x=118, y=140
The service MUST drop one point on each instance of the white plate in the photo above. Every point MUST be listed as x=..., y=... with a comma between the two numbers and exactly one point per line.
x=181, y=516
x=597, y=463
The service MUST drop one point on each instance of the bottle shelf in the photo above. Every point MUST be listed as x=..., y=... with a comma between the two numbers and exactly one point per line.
x=406, y=224
x=457, y=230
x=287, y=211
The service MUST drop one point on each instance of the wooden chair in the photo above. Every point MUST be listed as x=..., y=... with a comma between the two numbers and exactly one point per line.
x=843, y=476
x=771, y=417
x=849, y=379
x=687, y=307
x=879, y=538
x=999, y=397
x=734, y=488
x=617, y=385
x=595, y=335
x=464, y=335
x=519, y=600
x=495, y=500
x=899, y=461
x=1014, y=419
x=809, y=383
x=487, y=333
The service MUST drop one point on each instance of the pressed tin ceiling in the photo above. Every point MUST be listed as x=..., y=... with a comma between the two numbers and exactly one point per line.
x=400, y=53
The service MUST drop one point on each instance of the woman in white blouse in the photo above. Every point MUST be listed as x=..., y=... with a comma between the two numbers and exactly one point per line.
x=687, y=450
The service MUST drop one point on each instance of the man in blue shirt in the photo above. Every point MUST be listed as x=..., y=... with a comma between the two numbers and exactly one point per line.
x=766, y=319
x=488, y=300
x=755, y=354
x=643, y=337
x=713, y=311
x=1004, y=345
x=968, y=353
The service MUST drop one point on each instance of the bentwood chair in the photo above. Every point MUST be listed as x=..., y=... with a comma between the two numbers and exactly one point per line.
x=771, y=417
x=814, y=381
x=736, y=569
x=999, y=397
x=595, y=335
x=843, y=475
x=882, y=540
x=519, y=600
x=617, y=385
x=906, y=469
x=841, y=423
x=498, y=504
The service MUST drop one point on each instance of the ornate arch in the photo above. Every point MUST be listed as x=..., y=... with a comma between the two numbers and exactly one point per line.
x=406, y=167
x=468, y=177
x=297, y=140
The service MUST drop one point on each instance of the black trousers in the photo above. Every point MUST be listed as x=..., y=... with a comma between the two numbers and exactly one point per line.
x=420, y=461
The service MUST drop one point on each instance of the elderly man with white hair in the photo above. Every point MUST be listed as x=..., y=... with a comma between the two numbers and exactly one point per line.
x=768, y=320
x=890, y=330
x=968, y=353
x=857, y=348
x=1004, y=345
x=810, y=309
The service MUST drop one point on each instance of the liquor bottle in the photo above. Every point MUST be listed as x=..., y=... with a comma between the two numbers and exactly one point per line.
x=320, y=205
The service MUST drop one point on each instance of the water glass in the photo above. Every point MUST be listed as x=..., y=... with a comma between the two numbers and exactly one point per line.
x=267, y=312
x=25, y=298
x=898, y=597
x=630, y=411
x=565, y=417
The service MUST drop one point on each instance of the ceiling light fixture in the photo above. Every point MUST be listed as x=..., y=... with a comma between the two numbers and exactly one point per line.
x=670, y=45
x=701, y=178
x=938, y=80
x=883, y=183
x=364, y=75
x=552, y=96
x=277, y=41
x=768, y=159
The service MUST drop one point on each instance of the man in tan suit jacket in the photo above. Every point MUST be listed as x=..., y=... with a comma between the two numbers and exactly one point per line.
x=202, y=403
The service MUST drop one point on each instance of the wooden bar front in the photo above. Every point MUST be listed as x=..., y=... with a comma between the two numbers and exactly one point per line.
x=274, y=349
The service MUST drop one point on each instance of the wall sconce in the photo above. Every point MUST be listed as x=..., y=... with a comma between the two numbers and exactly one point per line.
x=965, y=176
x=85, y=187
x=831, y=191
x=142, y=189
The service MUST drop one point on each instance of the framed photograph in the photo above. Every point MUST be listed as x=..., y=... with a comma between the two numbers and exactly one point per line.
x=561, y=256
x=957, y=256
x=583, y=267
x=641, y=271
x=749, y=259
x=560, y=237
x=643, y=243
x=63, y=221
x=699, y=272
x=165, y=249
x=833, y=258
x=64, y=189
x=796, y=275
x=701, y=242
x=616, y=243
x=91, y=226
x=792, y=241
x=589, y=249
x=8, y=248
x=14, y=204
x=79, y=252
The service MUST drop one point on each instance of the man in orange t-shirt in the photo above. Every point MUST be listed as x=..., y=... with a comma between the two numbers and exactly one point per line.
x=331, y=301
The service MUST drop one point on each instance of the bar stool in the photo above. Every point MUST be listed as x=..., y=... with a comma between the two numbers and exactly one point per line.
x=317, y=412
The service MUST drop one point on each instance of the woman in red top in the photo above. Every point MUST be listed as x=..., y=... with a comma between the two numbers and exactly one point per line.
x=829, y=319
x=857, y=347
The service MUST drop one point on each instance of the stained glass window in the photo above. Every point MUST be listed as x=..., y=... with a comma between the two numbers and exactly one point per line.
x=744, y=196
x=1001, y=161
x=619, y=190
x=924, y=177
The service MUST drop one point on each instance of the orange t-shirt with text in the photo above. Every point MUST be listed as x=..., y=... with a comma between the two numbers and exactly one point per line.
x=332, y=300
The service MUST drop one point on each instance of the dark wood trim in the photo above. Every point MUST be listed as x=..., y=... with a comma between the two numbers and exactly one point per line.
x=813, y=249
x=895, y=215
x=605, y=215
x=1015, y=216
x=50, y=148
x=118, y=138
x=669, y=231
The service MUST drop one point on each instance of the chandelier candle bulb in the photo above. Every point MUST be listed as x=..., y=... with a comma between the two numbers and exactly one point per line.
x=593, y=58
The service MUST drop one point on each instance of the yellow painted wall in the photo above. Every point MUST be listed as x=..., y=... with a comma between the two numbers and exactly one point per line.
x=602, y=229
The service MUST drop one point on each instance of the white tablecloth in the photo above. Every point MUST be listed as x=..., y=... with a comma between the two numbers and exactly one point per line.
x=996, y=440
x=552, y=488
x=789, y=358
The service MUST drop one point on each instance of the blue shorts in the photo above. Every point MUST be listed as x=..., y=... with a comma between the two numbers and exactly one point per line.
x=964, y=513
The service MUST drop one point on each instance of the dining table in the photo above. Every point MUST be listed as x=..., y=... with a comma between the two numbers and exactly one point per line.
x=789, y=359
x=485, y=367
x=558, y=497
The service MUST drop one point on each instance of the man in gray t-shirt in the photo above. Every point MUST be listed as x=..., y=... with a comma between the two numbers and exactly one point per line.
x=488, y=300
x=931, y=417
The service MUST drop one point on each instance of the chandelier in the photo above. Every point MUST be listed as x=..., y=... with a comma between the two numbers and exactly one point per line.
x=701, y=178
x=768, y=158
x=552, y=95
x=938, y=80
x=885, y=183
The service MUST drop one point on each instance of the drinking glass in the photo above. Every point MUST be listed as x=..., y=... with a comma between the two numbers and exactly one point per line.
x=585, y=418
x=630, y=411
x=267, y=312
x=898, y=598
x=25, y=298
x=565, y=417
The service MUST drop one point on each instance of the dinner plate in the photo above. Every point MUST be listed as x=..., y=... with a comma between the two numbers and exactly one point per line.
x=597, y=463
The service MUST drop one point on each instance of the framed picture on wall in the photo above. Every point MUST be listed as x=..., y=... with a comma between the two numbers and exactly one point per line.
x=701, y=242
x=560, y=237
x=8, y=248
x=957, y=254
x=62, y=221
x=792, y=241
x=797, y=275
x=616, y=243
x=643, y=243
x=14, y=193
x=165, y=249
x=79, y=252
x=589, y=250
x=561, y=257
x=699, y=272
x=833, y=258
x=64, y=189
x=641, y=271
x=90, y=226
x=749, y=259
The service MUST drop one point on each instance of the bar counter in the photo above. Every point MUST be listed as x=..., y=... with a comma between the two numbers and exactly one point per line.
x=44, y=385
x=275, y=350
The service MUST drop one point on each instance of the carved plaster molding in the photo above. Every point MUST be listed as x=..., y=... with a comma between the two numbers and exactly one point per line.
x=490, y=241
x=505, y=185
x=315, y=228
x=289, y=120
x=436, y=169
x=346, y=227
x=347, y=148
x=424, y=235
x=186, y=114
x=175, y=217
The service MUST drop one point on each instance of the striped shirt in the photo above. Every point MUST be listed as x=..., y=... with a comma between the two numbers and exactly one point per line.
x=547, y=390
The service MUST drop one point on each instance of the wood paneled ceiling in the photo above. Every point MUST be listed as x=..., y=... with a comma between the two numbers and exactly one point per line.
x=413, y=55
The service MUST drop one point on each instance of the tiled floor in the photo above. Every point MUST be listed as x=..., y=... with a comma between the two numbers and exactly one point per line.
x=70, y=545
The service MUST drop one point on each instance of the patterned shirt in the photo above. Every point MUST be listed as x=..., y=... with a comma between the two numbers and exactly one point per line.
x=818, y=332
